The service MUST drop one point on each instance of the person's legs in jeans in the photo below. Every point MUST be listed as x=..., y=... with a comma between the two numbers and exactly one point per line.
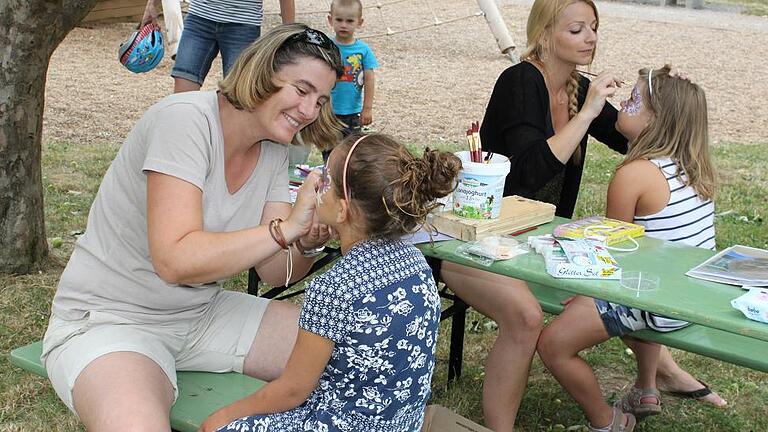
x=197, y=49
x=233, y=38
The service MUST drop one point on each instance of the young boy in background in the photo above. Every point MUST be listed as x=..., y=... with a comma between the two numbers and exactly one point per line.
x=352, y=98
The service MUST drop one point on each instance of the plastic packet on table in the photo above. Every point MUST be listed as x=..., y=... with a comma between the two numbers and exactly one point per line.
x=754, y=304
x=490, y=249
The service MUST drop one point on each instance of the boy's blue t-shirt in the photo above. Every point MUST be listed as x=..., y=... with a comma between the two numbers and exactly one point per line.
x=347, y=95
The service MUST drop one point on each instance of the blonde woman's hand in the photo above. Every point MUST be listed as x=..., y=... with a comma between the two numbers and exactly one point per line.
x=602, y=87
x=676, y=72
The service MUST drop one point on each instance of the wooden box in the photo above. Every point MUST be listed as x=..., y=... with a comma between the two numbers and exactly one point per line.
x=517, y=213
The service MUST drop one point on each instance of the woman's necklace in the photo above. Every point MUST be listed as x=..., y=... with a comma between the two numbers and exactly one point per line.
x=561, y=98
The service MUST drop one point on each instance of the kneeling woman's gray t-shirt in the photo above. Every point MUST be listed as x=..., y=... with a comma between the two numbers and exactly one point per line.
x=110, y=268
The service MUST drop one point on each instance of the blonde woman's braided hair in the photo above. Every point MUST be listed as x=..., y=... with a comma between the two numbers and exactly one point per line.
x=541, y=21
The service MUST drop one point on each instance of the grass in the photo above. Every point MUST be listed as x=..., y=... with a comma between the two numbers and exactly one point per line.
x=749, y=7
x=71, y=177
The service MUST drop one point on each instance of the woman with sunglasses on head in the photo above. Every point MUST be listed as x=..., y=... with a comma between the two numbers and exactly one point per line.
x=197, y=193
x=365, y=353
x=539, y=115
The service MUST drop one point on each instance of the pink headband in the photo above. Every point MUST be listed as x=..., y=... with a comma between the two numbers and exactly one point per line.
x=346, y=162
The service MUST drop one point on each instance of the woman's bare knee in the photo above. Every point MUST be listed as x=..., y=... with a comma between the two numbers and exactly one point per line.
x=123, y=391
x=549, y=346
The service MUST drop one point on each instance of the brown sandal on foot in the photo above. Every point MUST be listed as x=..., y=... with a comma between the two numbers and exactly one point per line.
x=633, y=402
x=617, y=424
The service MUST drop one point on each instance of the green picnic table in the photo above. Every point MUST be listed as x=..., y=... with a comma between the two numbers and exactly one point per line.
x=719, y=330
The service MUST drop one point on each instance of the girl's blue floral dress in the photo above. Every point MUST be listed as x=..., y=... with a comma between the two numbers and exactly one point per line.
x=380, y=306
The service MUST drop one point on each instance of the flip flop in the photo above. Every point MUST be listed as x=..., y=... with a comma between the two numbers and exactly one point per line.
x=693, y=394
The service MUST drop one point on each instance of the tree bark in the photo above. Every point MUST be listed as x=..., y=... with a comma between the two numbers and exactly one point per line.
x=29, y=32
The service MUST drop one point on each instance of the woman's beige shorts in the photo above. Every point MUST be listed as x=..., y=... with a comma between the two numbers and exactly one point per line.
x=217, y=342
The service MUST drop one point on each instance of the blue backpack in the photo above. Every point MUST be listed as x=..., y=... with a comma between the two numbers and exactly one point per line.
x=143, y=50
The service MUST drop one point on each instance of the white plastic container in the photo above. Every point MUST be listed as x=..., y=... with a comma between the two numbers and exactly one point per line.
x=480, y=187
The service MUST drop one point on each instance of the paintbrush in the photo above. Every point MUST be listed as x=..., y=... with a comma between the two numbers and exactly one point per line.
x=304, y=170
x=478, y=144
x=592, y=74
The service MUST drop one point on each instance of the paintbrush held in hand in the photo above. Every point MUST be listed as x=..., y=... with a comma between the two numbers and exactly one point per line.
x=592, y=74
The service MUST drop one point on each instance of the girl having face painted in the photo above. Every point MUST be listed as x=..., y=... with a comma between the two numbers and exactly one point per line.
x=666, y=183
x=365, y=352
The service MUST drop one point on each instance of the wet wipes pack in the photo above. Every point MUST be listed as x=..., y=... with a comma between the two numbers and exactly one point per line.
x=753, y=304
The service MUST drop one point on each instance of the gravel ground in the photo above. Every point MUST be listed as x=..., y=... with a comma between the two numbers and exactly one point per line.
x=433, y=82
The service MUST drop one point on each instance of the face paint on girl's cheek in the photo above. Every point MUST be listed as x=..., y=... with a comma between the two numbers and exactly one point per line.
x=634, y=104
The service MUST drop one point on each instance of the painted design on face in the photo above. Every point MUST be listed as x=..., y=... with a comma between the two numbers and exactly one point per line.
x=634, y=104
x=324, y=185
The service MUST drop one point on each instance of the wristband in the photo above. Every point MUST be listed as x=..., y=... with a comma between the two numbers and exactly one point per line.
x=309, y=252
x=277, y=233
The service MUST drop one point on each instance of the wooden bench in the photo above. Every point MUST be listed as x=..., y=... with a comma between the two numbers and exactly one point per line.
x=200, y=393
x=717, y=344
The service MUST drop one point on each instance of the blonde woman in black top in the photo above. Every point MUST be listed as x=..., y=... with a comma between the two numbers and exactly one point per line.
x=539, y=115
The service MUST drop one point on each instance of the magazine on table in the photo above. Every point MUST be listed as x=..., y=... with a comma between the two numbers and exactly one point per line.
x=736, y=265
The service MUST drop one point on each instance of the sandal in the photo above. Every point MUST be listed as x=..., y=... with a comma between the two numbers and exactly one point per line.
x=617, y=424
x=694, y=394
x=699, y=395
x=633, y=402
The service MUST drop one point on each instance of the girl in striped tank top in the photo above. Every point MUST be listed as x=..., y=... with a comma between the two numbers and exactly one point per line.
x=666, y=183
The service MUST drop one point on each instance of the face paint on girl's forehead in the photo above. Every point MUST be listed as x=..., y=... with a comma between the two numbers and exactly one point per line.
x=324, y=185
x=325, y=181
x=635, y=102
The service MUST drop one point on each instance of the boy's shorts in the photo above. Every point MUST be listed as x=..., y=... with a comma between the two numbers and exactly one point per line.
x=217, y=342
x=351, y=126
x=351, y=123
x=620, y=320
x=202, y=40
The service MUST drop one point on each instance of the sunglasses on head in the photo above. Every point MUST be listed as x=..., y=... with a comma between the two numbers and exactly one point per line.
x=312, y=37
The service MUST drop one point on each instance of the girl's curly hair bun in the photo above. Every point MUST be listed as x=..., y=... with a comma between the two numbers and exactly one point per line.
x=391, y=189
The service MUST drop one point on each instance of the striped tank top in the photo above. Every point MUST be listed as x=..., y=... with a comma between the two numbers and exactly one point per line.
x=687, y=218
x=249, y=12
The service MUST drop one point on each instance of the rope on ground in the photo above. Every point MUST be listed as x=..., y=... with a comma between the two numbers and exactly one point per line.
x=434, y=24
x=378, y=5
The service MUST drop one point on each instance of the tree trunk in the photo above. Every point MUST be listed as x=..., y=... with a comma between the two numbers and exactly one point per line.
x=29, y=32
